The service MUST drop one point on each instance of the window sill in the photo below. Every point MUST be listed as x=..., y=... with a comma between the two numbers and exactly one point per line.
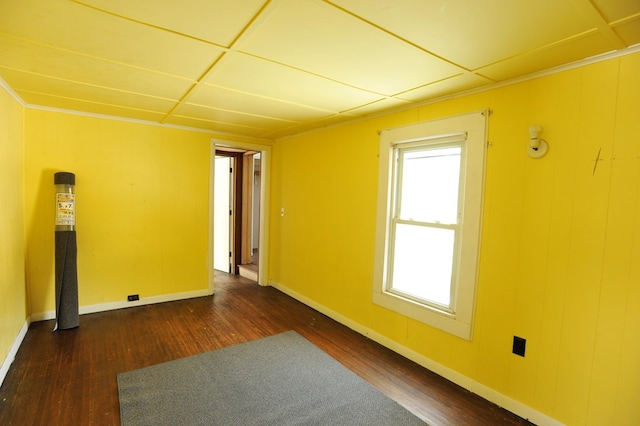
x=426, y=314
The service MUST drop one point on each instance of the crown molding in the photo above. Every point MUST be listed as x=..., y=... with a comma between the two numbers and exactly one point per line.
x=12, y=93
x=148, y=123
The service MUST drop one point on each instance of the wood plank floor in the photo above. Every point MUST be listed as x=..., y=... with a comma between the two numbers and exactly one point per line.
x=69, y=377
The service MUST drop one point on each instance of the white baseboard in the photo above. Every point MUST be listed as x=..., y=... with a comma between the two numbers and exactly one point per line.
x=471, y=385
x=13, y=351
x=102, y=307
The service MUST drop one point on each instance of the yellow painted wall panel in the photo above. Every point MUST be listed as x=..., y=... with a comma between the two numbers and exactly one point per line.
x=618, y=250
x=142, y=206
x=120, y=196
x=422, y=340
x=534, y=243
x=501, y=233
x=559, y=111
x=550, y=259
x=628, y=385
x=13, y=299
x=184, y=219
x=319, y=185
x=583, y=290
x=624, y=223
x=627, y=144
x=598, y=109
x=588, y=231
x=388, y=323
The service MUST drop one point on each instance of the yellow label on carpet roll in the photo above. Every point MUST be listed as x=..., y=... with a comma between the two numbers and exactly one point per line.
x=65, y=209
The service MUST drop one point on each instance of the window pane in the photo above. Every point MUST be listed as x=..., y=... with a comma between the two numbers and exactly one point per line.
x=429, y=185
x=423, y=259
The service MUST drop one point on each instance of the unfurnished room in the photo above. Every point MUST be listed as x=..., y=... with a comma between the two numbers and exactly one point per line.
x=340, y=212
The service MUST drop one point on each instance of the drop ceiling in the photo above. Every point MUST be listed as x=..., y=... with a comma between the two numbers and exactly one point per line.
x=268, y=69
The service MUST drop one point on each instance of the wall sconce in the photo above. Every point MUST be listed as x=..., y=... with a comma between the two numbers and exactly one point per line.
x=537, y=147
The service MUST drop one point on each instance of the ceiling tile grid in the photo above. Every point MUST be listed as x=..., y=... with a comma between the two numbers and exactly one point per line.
x=272, y=68
x=71, y=90
x=216, y=21
x=250, y=74
x=320, y=39
x=67, y=26
x=250, y=104
x=473, y=34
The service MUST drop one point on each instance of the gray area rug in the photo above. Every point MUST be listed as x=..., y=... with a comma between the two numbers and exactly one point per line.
x=278, y=380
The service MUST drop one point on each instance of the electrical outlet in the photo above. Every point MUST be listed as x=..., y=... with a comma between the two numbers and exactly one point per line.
x=133, y=297
x=519, y=345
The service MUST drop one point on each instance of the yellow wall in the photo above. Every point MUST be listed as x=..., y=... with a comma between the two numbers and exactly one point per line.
x=142, y=207
x=13, y=303
x=560, y=256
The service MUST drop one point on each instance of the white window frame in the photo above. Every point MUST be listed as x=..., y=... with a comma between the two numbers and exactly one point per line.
x=472, y=129
x=396, y=217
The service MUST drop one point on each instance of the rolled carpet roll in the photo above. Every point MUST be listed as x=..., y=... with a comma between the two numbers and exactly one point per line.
x=67, y=315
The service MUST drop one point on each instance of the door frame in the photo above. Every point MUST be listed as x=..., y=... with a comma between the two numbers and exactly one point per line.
x=263, y=243
x=236, y=211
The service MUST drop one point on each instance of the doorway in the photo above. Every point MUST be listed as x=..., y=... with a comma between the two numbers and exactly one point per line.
x=239, y=212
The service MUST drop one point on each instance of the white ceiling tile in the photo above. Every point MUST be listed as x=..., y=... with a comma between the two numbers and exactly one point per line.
x=70, y=26
x=473, y=33
x=230, y=128
x=38, y=84
x=327, y=121
x=445, y=87
x=218, y=21
x=613, y=10
x=230, y=117
x=629, y=31
x=65, y=65
x=584, y=47
x=225, y=99
x=272, y=80
x=381, y=105
x=323, y=40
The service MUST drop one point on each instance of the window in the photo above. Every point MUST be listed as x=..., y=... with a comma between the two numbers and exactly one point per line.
x=429, y=209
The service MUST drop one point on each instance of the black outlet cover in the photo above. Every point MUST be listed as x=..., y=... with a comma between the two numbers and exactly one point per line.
x=519, y=345
x=133, y=298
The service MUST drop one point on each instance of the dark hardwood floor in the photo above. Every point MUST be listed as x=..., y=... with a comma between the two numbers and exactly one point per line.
x=69, y=377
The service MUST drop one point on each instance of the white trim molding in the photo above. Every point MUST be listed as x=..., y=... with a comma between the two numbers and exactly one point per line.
x=12, y=93
x=110, y=306
x=4, y=369
x=265, y=197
